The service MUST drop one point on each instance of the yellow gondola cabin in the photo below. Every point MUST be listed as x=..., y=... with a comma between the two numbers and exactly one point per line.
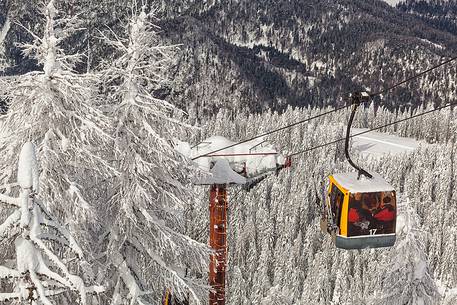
x=362, y=211
x=361, y=208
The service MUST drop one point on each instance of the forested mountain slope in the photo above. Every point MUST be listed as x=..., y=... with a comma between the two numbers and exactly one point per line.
x=259, y=54
x=441, y=14
x=305, y=52
x=236, y=59
x=277, y=254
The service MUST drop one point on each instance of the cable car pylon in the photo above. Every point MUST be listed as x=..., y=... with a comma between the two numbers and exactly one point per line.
x=221, y=176
x=229, y=168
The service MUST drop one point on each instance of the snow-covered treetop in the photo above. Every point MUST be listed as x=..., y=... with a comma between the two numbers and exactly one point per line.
x=27, y=174
x=47, y=50
x=41, y=273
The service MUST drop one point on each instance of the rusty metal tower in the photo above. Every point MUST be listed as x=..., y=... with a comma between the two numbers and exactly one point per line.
x=230, y=168
x=221, y=177
x=218, y=242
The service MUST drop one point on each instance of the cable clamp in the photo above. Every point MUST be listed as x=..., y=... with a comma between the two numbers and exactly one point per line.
x=359, y=97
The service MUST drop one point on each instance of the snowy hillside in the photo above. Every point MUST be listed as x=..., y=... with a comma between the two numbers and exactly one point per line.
x=277, y=254
x=255, y=55
x=122, y=181
x=441, y=14
x=378, y=144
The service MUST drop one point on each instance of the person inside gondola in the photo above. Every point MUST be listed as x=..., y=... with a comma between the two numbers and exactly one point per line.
x=339, y=206
x=336, y=206
x=371, y=203
x=359, y=216
x=385, y=215
x=354, y=218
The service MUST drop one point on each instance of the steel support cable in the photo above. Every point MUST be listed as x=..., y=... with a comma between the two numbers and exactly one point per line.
x=331, y=111
x=373, y=129
x=271, y=132
x=407, y=80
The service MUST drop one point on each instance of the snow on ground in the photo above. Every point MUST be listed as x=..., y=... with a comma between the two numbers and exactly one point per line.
x=438, y=46
x=392, y=2
x=377, y=143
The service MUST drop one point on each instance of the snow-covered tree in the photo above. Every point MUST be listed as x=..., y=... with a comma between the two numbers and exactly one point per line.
x=283, y=207
x=407, y=279
x=146, y=250
x=3, y=32
x=54, y=107
x=238, y=288
x=41, y=273
x=278, y=296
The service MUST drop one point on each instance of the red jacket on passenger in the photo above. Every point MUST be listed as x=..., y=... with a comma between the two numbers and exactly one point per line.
x=353, y=215
x=385, y=214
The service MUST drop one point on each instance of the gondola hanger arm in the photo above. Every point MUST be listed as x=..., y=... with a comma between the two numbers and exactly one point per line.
x=357, y=98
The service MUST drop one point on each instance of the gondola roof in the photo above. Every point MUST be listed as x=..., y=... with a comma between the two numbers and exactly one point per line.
x=350, y=182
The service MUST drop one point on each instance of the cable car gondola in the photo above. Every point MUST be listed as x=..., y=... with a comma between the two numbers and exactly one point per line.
x=360, y=211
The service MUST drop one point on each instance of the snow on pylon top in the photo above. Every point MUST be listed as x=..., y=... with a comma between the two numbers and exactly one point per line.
x=222, y=173
x=254, y=157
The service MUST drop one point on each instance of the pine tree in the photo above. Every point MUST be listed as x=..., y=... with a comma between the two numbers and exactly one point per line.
x=3, y=32
x=146, y=250
x=407, y=279
x=41, y=272
x=238, y=288
x=277, y=296
x=56, y=109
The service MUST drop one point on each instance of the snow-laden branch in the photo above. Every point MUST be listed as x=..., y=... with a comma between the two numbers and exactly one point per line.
x=9, y=200
x=174, y=275
x=34, y=273
x=135, y=292
x=8, y=273
x=54, y=238
x=166, y=230
x=5, y=297
x=39, y=288
x=67, y=239
x=11, y=221
x=8, y=186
